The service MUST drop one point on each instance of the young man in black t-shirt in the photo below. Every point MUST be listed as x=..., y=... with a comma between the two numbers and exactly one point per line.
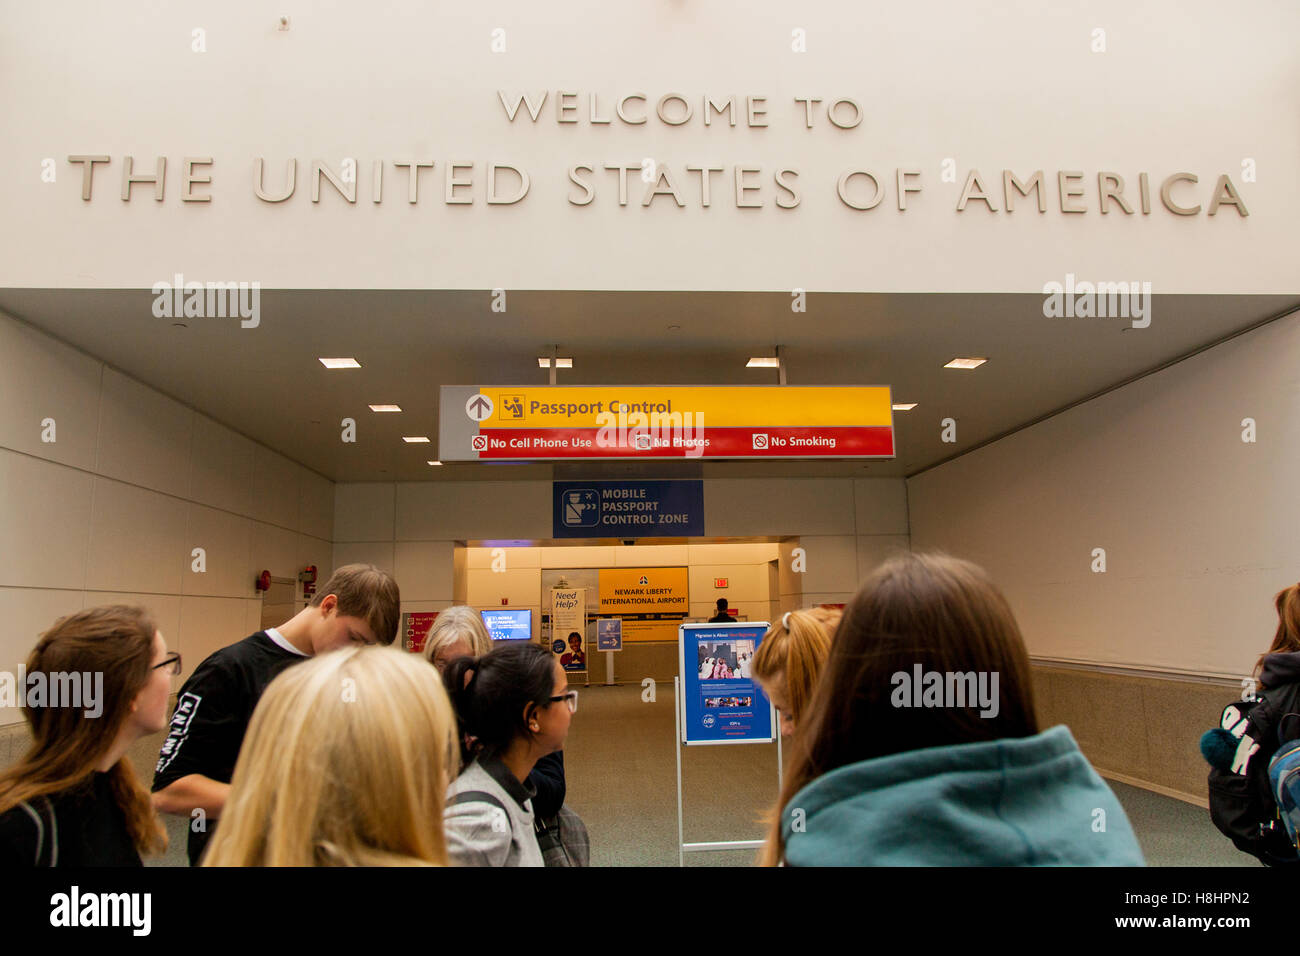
x=359, y=604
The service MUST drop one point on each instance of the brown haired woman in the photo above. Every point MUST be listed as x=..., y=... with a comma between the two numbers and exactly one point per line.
x=1286, y=641
x=921, y=747
x=73, y=799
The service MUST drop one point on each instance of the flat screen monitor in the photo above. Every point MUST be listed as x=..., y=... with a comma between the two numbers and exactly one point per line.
x=515, y=624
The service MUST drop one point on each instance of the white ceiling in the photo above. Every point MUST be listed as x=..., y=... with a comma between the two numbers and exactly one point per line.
x=267, y=383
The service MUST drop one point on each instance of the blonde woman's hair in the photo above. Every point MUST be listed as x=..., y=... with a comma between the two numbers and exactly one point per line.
x=346, y=763
x=455, y=624
x=797, y=646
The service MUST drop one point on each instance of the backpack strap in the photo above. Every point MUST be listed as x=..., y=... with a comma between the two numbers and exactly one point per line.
x=482, y=796
x=1288, y=728
x=38, y=819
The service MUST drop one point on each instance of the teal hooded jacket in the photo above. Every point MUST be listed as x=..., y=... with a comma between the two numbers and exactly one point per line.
x=1028, y=801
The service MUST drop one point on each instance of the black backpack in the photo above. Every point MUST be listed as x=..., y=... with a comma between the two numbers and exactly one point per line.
x=1242, y=804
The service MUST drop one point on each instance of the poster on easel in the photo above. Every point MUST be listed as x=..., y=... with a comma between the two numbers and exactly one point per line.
x=721, y=702
x=569, y=628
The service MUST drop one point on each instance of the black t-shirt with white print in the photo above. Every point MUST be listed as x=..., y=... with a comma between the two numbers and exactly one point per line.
x=212, y=713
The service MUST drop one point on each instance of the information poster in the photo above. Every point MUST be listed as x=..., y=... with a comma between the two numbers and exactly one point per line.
x=415, y=628
x=568, y=627
x=721, y=701
x=609, y=634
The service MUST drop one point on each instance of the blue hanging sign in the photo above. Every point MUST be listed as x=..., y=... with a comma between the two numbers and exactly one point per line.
x=628, y=509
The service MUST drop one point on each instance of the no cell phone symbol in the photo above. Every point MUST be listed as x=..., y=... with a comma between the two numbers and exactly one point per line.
x=479, y=407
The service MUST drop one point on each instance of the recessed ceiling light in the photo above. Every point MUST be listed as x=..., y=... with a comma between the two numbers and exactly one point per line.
x=434, y=463
x=674, y=328
x=385, y=408
x=763, y=361
x=966, y=363
x=340, y=363
x=415, y=438
x=905, y=408
x=545, y=362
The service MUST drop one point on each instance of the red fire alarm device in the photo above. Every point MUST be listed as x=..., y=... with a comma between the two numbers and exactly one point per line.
x=505, y=601
x=263, y=582
x=719, y=582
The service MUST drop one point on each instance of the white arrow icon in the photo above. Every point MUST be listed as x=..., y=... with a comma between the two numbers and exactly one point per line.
x=479, y=407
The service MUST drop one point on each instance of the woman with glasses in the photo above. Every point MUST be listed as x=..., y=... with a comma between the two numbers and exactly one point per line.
x=515, y=705
x=459, y=631
x=95, y=683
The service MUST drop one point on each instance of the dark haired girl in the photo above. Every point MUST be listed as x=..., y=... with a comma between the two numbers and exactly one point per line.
x=515, y=705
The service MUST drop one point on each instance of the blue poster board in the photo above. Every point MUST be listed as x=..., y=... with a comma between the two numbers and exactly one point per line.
x=721, y=702
x=609, y=634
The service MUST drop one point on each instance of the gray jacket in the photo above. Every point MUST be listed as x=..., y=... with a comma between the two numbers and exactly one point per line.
x=479, y=833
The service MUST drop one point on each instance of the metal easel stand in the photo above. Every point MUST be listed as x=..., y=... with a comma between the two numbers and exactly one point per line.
x=682, y=847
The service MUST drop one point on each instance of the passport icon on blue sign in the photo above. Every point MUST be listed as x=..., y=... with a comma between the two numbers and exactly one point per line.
x=581, y=508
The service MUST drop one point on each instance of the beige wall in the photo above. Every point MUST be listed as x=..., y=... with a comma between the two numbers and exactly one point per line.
x=111, y=510
x=1199, y=528
x=1199, y=531
x=1140, y=730
x=1044, y=100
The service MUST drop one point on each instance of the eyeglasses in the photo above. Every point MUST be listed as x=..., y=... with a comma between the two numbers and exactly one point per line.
x=571, y=697
x=172, y=660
